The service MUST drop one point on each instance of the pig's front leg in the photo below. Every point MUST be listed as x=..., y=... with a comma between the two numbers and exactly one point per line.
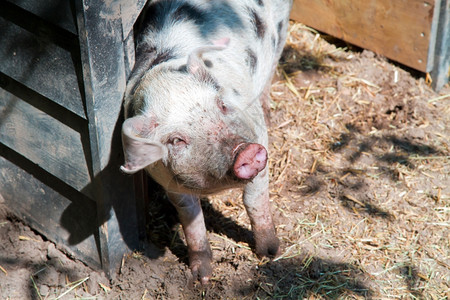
x=191, y=218
x=256, y=202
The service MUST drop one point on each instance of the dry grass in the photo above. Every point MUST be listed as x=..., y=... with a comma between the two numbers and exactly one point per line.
x=360, y=176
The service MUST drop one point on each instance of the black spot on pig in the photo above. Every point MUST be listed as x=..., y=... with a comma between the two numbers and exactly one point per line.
x=260, y=2
x=206, y=77
x=236, y=93
x=251, y=60
x=155, y=15
x=162, y=57
x=166, y=13
x=203, y=75
x=182, y=69
x=260, y=27
x=188, y=12
x=146, y=58
x=274, y=42
x=280, y=28
x=214, y=83
x=145, y=52
x=208, y=63
x=221, y=13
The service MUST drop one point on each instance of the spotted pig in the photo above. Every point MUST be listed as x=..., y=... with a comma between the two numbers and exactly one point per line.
x=194, y=109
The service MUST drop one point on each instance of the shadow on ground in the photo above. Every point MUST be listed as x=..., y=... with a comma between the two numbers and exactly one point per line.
x=287, y=278
x=306, y=276
x=365, y=156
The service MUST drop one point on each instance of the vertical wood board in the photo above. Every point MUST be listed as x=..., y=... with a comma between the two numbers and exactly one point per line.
x=439, y=55
x=129, y=11
x=104, y=74
x=102, y=55
x=398, y=29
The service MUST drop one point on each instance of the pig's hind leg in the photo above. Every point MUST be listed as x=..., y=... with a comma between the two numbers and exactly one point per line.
x=191, y=218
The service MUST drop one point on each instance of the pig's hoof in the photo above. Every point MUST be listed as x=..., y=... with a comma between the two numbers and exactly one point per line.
x=266, y=243
x=200, y=264
x=269, y=249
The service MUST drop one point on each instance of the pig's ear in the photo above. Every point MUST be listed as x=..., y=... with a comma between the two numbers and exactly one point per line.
x=195, y=64
x=139, y=151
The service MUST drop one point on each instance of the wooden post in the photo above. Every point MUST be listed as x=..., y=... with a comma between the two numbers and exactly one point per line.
x=439, y=54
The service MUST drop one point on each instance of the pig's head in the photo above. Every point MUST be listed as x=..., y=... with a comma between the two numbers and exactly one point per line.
x=190, y=132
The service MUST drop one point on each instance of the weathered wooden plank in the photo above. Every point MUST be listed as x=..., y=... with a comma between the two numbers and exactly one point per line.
x=42, y=143
x=399, y=29
x=69, y=217
x=54, y=11
x=43, y=29
x=40, y=65
x=44, y=140
x=64, y=216
x=129, y=11
x=102, y=55
x=104, y=73
x=130, y=55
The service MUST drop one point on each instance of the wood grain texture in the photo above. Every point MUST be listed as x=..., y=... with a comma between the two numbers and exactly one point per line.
x=44, y=140
x=57, y=12
x=398, y=29
x=64, y=216
x=41, y=65
x=61, y=96
x=104, y=76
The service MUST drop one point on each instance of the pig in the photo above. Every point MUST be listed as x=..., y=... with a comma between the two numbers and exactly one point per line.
x=195, y=108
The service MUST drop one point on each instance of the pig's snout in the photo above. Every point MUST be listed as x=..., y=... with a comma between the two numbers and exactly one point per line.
x=250, y=160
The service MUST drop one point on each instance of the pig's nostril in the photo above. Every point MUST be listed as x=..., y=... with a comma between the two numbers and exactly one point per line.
x=261, y=155
x=244, y=169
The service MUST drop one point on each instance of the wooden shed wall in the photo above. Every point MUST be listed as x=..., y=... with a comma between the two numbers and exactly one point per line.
x=63, y=69
x=398, y=29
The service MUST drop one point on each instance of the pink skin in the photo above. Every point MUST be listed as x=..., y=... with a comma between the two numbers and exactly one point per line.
x=250, y=160
x=191, y=218
x=256, y=195
x=256, y=201
x=249, y=163
x=248, y=167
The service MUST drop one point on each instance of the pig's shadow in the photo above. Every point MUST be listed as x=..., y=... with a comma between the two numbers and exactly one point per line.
x=163, y=226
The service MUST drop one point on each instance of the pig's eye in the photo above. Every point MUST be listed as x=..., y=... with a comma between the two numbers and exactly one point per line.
x=177, y=141
x=223, y=108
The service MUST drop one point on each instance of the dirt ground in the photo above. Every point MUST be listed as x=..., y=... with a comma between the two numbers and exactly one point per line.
x=360, y=192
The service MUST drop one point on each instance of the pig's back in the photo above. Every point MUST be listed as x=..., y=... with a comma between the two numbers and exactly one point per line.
x=256, y=28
